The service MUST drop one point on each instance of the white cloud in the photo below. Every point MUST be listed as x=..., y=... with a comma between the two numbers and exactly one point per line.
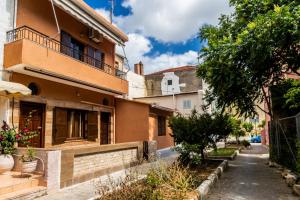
x=139, y=45
x=104, y=13
x=171, y=21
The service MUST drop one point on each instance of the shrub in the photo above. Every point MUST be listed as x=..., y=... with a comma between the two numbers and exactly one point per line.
x=245, y=143
x=197, y=132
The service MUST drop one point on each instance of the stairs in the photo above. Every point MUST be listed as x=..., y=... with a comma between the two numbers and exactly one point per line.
x=15, y=186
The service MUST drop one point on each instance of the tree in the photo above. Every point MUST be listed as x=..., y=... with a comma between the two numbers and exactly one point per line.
x=237, y=130
x=292, y=96
x=248, y=127
x=199, y=131
x=250, y=51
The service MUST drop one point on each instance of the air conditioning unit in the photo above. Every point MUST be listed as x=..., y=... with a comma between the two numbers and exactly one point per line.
x=95, y=35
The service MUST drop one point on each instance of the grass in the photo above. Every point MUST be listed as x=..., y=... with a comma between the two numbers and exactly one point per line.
x=173, y=182
x=222, y=152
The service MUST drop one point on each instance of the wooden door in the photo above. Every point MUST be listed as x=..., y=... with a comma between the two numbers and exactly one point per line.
x=60, y=126
x=92, y=126
x=105, y=128
x=36, y=122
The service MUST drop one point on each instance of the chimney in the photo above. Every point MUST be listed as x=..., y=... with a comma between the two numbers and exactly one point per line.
x=139, y=68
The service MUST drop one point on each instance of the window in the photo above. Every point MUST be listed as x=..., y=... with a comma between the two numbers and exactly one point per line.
x=161, y=123
x=187, y=104
x=72, y=47
x=170, y=82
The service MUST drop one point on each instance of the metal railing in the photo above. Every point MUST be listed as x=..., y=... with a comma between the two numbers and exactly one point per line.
x=28, y=33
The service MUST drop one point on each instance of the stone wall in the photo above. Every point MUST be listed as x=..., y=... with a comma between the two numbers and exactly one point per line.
x=86, y=163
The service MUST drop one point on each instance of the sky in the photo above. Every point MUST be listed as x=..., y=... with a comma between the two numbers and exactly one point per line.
x=162, y=33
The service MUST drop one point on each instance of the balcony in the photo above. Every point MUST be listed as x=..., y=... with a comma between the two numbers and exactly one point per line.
x=29, y=51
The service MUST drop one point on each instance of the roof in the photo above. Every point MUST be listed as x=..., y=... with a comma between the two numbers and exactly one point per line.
x=167, y=95
x=152, y=105
x=175, y=69
x=97, y=17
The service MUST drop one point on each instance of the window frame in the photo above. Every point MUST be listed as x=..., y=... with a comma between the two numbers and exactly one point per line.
x=161, y=125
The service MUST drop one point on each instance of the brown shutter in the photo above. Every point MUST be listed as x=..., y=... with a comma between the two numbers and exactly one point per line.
x=60, y=126
x=92, y=126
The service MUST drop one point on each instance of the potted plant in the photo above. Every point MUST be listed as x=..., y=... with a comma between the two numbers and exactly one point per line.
x=29, y=161
x=8, y=138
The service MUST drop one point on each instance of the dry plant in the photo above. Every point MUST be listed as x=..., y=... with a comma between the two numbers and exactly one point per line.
x=162, y=181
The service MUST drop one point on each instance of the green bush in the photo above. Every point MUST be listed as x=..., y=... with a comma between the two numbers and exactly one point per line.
x=245, y=143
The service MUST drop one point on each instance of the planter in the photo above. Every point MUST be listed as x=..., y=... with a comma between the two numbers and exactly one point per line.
x=29, y=167
x=6, y=163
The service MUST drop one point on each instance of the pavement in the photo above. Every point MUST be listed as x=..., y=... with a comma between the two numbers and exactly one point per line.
x=250, y=178
x=90, y=189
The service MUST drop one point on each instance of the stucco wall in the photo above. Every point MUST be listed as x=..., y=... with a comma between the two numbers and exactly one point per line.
x=6, y=23
x=167, y=101
x=136, y=85
x=162, y=141
x=131, y=121
x=38, y=15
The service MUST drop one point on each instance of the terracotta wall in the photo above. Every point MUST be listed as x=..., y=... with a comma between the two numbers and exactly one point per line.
x=57, y=91
x=131, y=121
x=38, y=15
x=162, y=141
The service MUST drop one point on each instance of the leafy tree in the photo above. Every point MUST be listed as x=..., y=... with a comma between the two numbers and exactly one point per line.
x=237, y=130
x=198, y=131
x=248, y=126
x=250, y=51
x=292, y=96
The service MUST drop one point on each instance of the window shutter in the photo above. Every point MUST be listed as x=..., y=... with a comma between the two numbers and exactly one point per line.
x=92, y=127
x=60, y=126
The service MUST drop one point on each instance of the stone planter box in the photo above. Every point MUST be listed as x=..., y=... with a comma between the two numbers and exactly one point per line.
x=231, y=157
x=205, y=187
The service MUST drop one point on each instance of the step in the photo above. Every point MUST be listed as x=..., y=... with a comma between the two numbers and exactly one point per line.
x=25, y=194
x=14, y=181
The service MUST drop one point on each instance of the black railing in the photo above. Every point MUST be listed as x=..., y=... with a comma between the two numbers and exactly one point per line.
x=28, y=33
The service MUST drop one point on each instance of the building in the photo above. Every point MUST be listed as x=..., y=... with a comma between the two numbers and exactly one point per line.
x=176, y=88
x=63, y=53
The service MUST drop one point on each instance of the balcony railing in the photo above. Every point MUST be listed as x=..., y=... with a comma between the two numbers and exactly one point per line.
x=28, y=33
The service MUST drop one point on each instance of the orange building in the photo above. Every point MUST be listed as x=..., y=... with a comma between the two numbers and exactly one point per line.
x=65, y=53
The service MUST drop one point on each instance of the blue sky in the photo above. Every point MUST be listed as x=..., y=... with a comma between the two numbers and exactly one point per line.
x=162, y=33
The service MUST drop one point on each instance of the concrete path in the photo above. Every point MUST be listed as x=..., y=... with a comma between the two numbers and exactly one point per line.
x=249, y=178
x=89, y=190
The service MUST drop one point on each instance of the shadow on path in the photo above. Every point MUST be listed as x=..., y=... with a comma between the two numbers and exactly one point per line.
x=249, y=178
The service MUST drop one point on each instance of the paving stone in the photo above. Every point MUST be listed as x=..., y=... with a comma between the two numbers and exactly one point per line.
x=248, y=178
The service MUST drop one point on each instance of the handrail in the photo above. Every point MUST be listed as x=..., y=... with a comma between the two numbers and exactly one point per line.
x=28, y=33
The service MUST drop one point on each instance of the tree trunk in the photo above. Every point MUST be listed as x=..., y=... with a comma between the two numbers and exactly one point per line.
x=202, y=155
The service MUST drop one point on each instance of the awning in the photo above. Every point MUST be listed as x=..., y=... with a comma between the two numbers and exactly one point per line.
x=14, y=88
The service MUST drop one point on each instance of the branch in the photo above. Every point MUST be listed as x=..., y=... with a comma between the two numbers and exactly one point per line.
x=268, y=113
x=267, y=99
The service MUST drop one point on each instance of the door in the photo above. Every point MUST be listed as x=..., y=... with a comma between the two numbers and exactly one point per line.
x=60, y=126
x=105, y=128
x=36, y=122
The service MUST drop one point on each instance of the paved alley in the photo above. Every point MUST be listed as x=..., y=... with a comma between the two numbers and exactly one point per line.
x=249, y=178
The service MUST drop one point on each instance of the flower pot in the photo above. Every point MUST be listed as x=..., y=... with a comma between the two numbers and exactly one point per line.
x=6, y=163
x=29, y=167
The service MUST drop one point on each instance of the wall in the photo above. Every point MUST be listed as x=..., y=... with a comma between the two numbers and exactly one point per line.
x=136, y=85
x=162, y=141
x=38, y=15
x=167, y=101
x=54, y=95
x=6, y=24
x=187, y=77
x=131, y=121
x=78, y=164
